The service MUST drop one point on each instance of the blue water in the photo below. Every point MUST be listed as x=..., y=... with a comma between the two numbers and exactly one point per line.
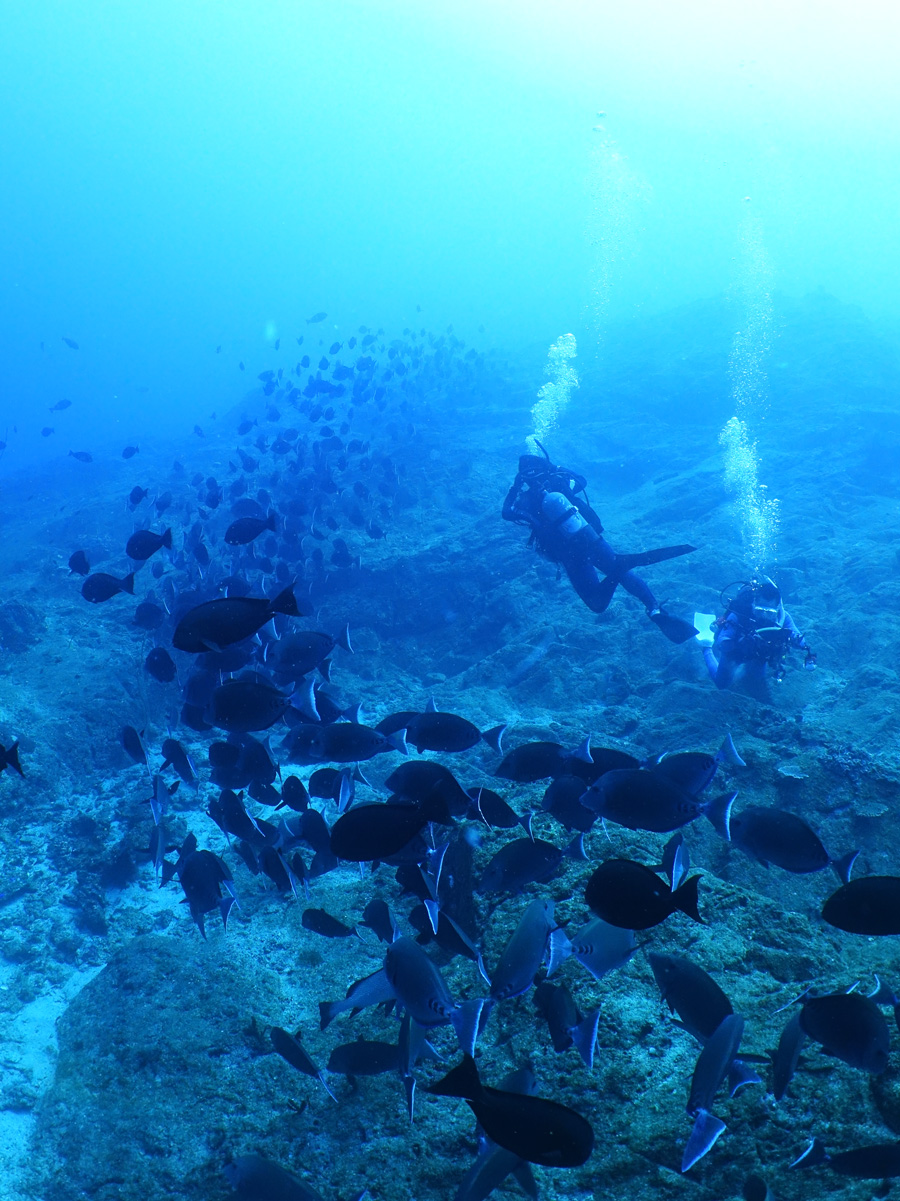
x=659, y=239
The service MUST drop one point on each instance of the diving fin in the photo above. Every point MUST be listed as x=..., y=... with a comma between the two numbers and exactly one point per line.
x=627, y=562
x=674, y=628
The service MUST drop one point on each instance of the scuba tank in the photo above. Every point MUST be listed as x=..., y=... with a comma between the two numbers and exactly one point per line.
x=561, y=514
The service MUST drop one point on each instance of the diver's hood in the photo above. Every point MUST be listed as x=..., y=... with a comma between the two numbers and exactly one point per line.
x=530, y=465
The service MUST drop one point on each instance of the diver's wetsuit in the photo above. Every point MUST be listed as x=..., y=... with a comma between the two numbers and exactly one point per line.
x=584, y=552
x=566, y=530
x=738, y=650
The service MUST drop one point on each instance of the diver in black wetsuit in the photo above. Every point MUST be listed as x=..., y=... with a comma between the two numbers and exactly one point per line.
x=566, y=530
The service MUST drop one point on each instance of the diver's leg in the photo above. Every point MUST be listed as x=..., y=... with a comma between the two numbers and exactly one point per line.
x=606, y=560
x=595, y=593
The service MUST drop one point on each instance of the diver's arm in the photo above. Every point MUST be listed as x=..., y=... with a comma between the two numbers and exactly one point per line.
x=511, y=509
x=799, y=642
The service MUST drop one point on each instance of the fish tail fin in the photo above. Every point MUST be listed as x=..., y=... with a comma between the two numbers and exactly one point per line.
x=560, y=949
x=127, y=584
x=584, y=1037
x=12, y=758
x=844, y=866
x=814, y=1155
x=706, y=1130
x=494, y=737
x=461, y=1081
x=167, y=539
x=328, y=1011
x=728, y=753
x=285, y=602
x=343, y=639
x=718, y=811
x=687, y=897
x=398, y=741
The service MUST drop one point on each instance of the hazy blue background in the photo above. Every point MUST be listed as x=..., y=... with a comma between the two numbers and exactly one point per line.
x=177, y=176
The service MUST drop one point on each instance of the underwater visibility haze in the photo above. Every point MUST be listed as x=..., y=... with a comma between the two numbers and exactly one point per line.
x=449, y=705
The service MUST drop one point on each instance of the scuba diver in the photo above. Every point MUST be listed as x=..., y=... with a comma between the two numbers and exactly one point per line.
x=751, y=641
x=566, y=530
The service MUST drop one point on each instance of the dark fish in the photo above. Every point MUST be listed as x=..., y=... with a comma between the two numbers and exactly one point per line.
x=300, y=653
x=532, y=762
x=631, y=896
x=71, y=345
x=335, y=347
x=9, y=757
x=562, y=800
x=881, y=1161
x=243, y=531
x=294, y=794
x=378, y=918
x=787, y=1056
x=869, y=905
x=436, y=731
x=256, y=1179
x=343, y=742
x=418, y=985
x=420, y=779
x=320, y=922
x=222, y=622
x=292, y=1051
x=228, y=812
x=520, y=862
x=449, y=936
x=130, y=451
x=47, y=431
x=83, y=456
x=159, y=664
x=775, y=836
x=176, y=756
x=691, y=993
x=133, y=743
x=144, y=543
x=136, y=495
x=713, y=1066
x=644, y=800
x=694, y=770
x=567, y=1025
x=60, y=405
x=316, y=317
x=78, y=563
x=101, y=587
x=377, y=831
x=537, y=1130
x=850, y=1027
x=201, y=875
x=524, y=952
x=756, y=1189
x=149, y=616
x=242, y=706
x=494, y=811
x=364, y=1058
